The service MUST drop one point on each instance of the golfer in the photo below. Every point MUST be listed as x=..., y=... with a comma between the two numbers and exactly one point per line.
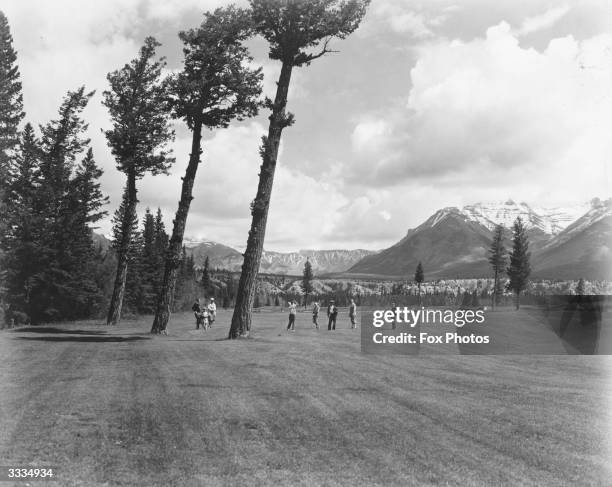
x=212, y=311
x=353, y=313
x=292, y=312
x=332, y=314
x=315, y=314
x=197, y=312
x=394, y=309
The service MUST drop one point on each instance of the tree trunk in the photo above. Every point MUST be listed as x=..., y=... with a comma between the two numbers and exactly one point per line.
x=173, y=254
x=114, y=310
x=518, y=300
x=241, y=319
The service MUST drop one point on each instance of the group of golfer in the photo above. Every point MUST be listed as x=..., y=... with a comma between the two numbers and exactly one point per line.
x=205, y=314
x=332, y=314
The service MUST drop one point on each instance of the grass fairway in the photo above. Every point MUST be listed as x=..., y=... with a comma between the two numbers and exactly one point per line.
x=116, y=406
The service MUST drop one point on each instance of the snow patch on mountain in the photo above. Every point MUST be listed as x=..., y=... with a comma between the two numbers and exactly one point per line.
x=550, y=220
x=598, y=210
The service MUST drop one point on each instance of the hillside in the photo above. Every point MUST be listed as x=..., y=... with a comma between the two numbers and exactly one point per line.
x=290, y=263
x=453, y=242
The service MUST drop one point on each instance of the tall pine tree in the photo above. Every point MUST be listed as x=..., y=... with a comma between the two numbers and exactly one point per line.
x=132, y=295
x=419, y=277
x=151, y=261
x=292, y=28
x=85, y=202
x=55, y=203
x=519, y=268
x=216, y=86
x=205, y=280
x=62, y=141
x=11, y=102
x=11, y=114
x=497, y=259
x=137, y=103
x=25, y=219
x=307, y=278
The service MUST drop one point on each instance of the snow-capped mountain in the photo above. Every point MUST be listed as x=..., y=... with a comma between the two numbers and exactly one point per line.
x=583, y=249
x=598, y=211
x=550, y=220
x=569, y=241
x=322, y=261
x=565, y=242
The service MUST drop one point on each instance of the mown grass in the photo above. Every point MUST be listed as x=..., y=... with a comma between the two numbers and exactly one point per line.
x=117, y=406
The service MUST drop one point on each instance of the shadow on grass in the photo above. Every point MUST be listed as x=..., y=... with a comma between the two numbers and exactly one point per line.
x=83, y=338
x=198, y=339
x=53, y=330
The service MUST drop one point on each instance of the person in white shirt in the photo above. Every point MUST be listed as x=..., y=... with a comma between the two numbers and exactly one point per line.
x=212, y=311
x=353, y=313
x=292, y=312
x=315, y=314
x=205, y=319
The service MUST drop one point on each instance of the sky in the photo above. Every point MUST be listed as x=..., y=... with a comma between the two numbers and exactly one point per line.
x=429, y=104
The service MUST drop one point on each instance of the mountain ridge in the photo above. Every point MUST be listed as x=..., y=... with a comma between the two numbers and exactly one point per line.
x=453, y=242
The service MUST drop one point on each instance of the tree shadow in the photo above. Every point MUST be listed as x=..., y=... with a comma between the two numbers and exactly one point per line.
x=83, y=338
x=54, y=330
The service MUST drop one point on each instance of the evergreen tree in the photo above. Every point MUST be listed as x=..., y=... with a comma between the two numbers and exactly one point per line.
x=85, y=201
x=11, y=114
x=161, y=248
x=61, y=247
x=137, y=103
x=519, y=268
x=55, y=204
x=186, y=283
x=292, y=28
x=467, y=300
x=475, y=299
x=215, y=87
x=497, y=259
x=25, y=226
x=580, y=287
x=131, y=294
x=419, y=277
x=307, y=278
x=11, y=110
x=205, y=280
x=161, y=241
x=88, y=197
x=150, y=260
x=117, y=223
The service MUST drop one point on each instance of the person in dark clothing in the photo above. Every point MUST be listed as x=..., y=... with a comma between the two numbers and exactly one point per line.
x=332, y=314
x=197, y=312
x=394, y=309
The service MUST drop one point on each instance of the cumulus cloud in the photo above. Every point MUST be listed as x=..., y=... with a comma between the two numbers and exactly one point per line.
x=491, y=107
x=375, y=150
x=402, y=18
x=544, y=20
x=368, y=135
